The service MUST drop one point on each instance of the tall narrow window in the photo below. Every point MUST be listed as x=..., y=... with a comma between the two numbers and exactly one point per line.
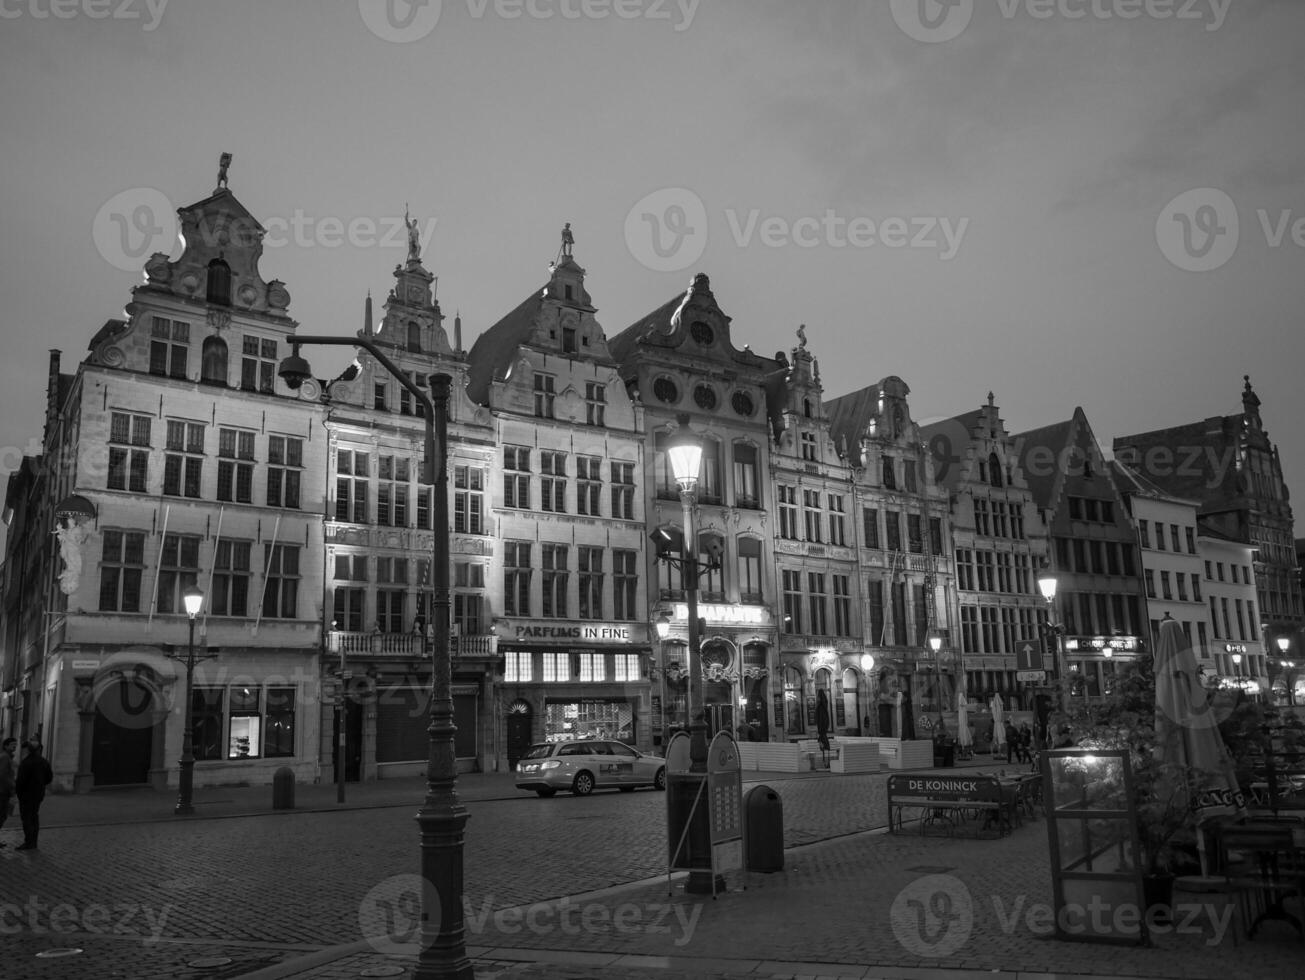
x=257, y=364
x=235, y=465
x=893, y=529
x=816, y=603
x=837, y=519
x=128, y=464
x=178, y=571
x=516, y=578
x=590, y=568
x=544, y=396
x=809, y=453
x=625, y=584
x=468, y=500
x=552, y=482
x=622, y=490
x=791, y=581
x=217, y=290
x=711, y=578
x=746, y=482
x=811, y=514
x=901, y=636
x=595, y=403
x=709, y=476
x=183, y=463
x=889, y=476
x=555, y=578
x=169, y=347
x=392, y=475
x=589, y=485
x=870, y=520
x=122, y=563
x=914, y=536
x=281, y=585
x=213, y=361
x=842, y=605
x=788, y=512
x=875, y=593
x=749, y=570
x=936, y=535
x=912, y=484
x=516, y=477
x=351, y=486
x=414, y=337
x=230, y=579
x=285, y=461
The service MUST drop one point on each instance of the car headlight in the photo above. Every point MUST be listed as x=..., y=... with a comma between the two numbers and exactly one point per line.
x=550, y=764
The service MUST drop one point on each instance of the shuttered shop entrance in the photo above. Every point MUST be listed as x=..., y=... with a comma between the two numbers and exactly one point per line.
x=403, y=715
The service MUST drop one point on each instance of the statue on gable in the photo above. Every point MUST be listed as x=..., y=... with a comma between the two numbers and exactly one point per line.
x=414, y=240
x=568, y=240
x=224, y=161
x=802, y=336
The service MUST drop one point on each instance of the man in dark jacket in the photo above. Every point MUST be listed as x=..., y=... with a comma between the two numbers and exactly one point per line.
x=34, y=774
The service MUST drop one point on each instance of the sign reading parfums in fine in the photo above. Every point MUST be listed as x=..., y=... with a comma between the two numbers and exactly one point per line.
x=725, y=799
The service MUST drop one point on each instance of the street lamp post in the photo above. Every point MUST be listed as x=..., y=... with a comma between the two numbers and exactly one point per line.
x=442, y=818
x=193, y=599
x=1047, y=586
x=935, y=644
x=663, y=626
x=684, y=450
x=1284, y=644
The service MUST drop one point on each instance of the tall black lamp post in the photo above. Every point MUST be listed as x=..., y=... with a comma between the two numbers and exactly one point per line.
x=684, y=452
x=441, y=819
x=193, y=599
x=1047, y=586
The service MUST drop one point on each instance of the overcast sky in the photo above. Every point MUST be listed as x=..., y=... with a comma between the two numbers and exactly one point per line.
x=973, y=197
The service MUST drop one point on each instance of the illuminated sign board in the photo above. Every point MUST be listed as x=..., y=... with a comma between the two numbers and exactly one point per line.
x=1106, y=646
x=738, y=615
x=612, y=633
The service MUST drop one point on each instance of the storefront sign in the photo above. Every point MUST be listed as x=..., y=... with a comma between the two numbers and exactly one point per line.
x=1104, y=645
x=737, y=615
x=609, y=633
x=85, y=665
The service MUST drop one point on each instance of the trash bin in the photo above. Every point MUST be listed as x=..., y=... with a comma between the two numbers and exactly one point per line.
x=283, y=789
x=763, y=830
x=944, y=755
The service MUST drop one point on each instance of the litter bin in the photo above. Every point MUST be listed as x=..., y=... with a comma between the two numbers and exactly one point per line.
x=283, y=789
x=944, y=755
x=763, y=830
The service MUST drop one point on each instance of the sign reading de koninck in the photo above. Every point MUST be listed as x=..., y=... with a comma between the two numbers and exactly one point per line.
x=939, y=788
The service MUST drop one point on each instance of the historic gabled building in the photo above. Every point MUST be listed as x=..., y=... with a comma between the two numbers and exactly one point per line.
x=1099, y=598
x=567, y=515
x=905, y=555
x=822, y=634
x=1228, y=464
x=179, y=459
x=379, y=535
x=1230, y=593
x=680, y=359
x=1000, y=546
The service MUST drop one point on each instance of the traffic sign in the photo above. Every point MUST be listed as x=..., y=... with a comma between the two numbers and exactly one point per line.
x=1028, y=656
x=1036, y=676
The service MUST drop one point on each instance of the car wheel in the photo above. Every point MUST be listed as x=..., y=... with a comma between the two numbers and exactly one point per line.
x=659, y=781
x=546, y=792
x=583, y=785
x=626, y=789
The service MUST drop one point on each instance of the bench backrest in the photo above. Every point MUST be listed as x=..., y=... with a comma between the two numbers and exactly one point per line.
x=980, y=789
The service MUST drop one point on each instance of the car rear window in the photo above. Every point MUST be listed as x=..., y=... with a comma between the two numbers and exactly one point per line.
x=538, y=752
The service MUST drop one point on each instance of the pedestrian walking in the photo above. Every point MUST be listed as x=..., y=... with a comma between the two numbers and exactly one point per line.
x=7, y=770
x=1012, y=740
x=34, y=774
x=1026, y=743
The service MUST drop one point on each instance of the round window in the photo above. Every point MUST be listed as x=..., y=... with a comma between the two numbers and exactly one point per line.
x=701, y=332
x=665, y=390
x=742, y=403
x=705, y=397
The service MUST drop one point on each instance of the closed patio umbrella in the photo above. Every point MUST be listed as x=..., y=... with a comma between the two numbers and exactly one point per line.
x=822, y=720
x=963, y=737
x=998, y=723
x=1187, y=730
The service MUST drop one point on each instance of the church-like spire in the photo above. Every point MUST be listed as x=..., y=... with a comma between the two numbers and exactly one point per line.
x=457, y=332
x=1250, y=400
x=367, y=315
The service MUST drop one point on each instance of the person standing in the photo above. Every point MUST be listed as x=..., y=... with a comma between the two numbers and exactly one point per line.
x=34, y=774
x=7, y=767
x=1012, y=741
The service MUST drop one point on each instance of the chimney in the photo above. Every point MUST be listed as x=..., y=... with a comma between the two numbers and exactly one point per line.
x=457, y=332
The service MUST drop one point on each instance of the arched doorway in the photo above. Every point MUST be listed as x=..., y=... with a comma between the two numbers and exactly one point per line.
x=123, y=730
x=717, y=686
x=520, y=721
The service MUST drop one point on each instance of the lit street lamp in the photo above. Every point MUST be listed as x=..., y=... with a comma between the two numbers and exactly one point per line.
x=935, y=644
x=1047, y=586
x=193, y=599
x=442, y=818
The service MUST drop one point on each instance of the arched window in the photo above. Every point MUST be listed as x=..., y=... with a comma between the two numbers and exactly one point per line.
x=218, y=291
x=794, y=710
x=711, y=581
x=666, y=487
x=806, y=407
x=709, y=481
x=414, y=336
x=749, y=570
x=994, y=470
x=851, y=688
x=670, y=582
x=213, y=362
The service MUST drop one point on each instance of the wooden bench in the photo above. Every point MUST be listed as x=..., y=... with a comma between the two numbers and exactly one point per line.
x=948, y=800
x=855, y=757
x=770, y=757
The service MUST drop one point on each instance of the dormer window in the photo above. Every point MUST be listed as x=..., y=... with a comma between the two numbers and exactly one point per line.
x=414, y=337
x=213, y=362
x=568, y=339
x=994, y=470
x=806, y=408
x=218, y=291
x=566, y=291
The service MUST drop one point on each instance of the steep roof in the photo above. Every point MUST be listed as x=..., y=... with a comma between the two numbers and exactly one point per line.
x=494, y=350
x=658, y=321
x=1052, y=438
x=849, y=417
x=950, y=476
x=1178, y=459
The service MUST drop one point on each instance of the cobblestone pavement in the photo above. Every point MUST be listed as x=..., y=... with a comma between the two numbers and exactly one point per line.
x=315, y=894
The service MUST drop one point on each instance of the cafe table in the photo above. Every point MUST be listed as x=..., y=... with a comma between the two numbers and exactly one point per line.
x=1265, y=865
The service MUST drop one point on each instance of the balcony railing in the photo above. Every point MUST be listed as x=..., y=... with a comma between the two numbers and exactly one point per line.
x=406, y=644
